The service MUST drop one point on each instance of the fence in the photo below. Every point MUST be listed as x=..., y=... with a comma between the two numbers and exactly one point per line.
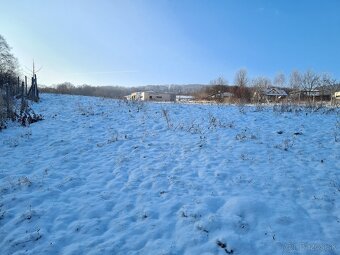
x=10, y=94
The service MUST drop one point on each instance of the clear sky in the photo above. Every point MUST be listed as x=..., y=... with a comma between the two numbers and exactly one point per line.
x=139, y=42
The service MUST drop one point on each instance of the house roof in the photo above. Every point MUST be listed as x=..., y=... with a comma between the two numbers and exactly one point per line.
x=222, y=95
x=227, y=94
x=184, y=97
x=314, y=92
x=274, y=92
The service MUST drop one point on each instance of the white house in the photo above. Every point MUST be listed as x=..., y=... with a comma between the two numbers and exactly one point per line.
x=152, y=96
x=135, y=96
x=337, y=95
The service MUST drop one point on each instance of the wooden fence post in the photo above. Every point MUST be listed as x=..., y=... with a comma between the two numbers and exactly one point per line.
x=36, y=88
x=7, y=100
x=30, y=91
x=33, y=92
x=26, y=85
x=23, y=103
x=17, y=87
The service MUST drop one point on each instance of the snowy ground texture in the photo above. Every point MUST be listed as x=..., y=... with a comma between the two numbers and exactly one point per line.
x=101, y=176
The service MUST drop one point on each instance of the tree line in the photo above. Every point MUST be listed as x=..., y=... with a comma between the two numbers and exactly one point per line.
x=119, y=92
x=9, y=70
x=243, y=88
x=9, y=67
x=13, y=92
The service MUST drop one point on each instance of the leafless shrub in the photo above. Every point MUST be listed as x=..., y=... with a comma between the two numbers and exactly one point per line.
x=192, y=128
x=241, y=136
x=34, y=236
x=29, y=117
x=203, y=141
x=285, y=145
x=259, y=107
x=11, y=142
x=114, y=137
x=336, y=185
x=337, y=130
x=2, y=213
x=3, y=113
x=24, y=181
x=241, y=108
x=285, y=107
x=167, y=118
x=85, y=110
x=213, y=121
x=134, y=105
x=224, y=246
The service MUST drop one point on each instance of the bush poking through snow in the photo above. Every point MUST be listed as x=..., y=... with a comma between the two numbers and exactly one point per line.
x=167, y=118
x=285, y=145
x=24, y=181
x=337, y=131
x=85, y=110
x=213, y=121
x=35, y=236
x=224, y=247
x=25, y=116
x=29, y=117
x=2, y=113
x=2, y=213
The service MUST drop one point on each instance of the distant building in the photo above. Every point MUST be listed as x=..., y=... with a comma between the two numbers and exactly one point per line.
x=270, y=95
x=316, y=94
x=221, y=95
x=134, y=96
x=151, y=96
x=184, y=98
x=337, y=96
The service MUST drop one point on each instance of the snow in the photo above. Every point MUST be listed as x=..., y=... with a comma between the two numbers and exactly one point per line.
x=101, y=176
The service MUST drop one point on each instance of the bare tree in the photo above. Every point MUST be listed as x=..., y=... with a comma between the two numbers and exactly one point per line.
x=65, y=88
x=309, y=82
x=241, y=78
x=260, y=84
x=218, y=86
x=280, y=80
x=220, y=81
x=8, y=63
x=241, y=90
x=327, y=80
x=327, y=85
x=295, y=82
x=8, y=73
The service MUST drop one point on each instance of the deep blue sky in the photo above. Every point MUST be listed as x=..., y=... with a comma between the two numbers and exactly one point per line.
x=137, y=42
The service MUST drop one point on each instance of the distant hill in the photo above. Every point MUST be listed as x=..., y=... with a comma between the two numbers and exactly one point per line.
x=119, y=91
x=172, y=88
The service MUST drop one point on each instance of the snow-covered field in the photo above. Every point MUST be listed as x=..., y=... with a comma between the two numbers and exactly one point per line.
x=101, y=176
